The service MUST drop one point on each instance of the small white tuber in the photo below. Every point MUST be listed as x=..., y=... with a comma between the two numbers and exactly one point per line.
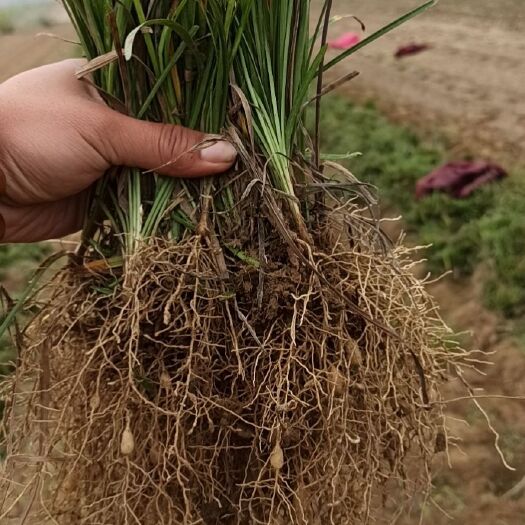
x=277, y=457
x=127, y=442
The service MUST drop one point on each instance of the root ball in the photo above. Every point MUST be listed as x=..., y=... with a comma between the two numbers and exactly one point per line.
x=301, y=408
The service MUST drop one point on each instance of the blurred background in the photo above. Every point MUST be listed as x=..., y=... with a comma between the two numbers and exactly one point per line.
x=446, y=88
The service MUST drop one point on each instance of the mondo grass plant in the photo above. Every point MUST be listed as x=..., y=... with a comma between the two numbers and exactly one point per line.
x=243, y=350
x=243, y=68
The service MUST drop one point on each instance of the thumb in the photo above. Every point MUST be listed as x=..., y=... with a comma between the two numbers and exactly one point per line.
x=166, y=149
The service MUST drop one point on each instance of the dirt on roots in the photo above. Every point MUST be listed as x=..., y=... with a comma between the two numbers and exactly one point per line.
x=291, y=393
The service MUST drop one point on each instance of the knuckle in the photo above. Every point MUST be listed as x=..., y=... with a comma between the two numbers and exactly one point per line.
x=104, y=133
x=173, y=142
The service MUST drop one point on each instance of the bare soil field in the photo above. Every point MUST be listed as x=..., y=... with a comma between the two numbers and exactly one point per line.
x=473, y=486
x=469, y=86
x=29, y=48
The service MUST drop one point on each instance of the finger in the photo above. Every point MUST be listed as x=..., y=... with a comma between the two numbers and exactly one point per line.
x=166, y=149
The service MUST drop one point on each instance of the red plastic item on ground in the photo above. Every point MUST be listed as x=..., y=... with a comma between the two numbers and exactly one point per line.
x=345, y=41
x=411, y=49
x=459, y=179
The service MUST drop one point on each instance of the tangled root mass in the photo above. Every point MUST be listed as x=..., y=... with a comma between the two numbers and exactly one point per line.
x=181, y=397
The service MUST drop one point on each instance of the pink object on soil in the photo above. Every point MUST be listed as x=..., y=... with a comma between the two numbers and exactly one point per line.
x=459, y=179
x=345, y=41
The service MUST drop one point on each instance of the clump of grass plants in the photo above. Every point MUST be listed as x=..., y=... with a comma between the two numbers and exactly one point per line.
x=243, y=350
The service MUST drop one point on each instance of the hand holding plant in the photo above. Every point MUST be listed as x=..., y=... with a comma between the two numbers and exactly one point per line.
x=58, y=137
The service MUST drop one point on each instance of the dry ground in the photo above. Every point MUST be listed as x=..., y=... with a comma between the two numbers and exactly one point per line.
x=27, y=49
x=469, y=85
x=473, y=489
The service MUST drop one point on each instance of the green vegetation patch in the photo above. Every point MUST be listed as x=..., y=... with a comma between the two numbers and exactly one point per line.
x=17, y=262
x=488, y=227
x=6, y=23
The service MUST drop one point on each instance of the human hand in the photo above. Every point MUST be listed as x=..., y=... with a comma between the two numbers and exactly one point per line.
x=57, y=137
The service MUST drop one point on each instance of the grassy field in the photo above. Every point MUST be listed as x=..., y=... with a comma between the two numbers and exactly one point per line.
x=486, y=229
x=480, y=241
x=6, y=24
